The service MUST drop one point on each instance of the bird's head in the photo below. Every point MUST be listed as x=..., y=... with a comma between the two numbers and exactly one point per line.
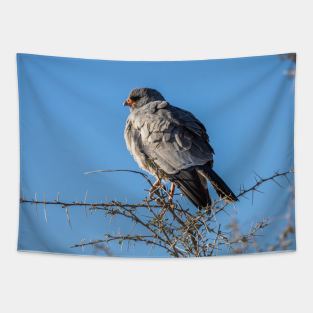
x=141, y=96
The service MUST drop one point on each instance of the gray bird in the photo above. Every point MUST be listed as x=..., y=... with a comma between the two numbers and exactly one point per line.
x=173, y=145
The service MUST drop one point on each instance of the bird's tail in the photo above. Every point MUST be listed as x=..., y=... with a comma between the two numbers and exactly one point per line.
x=193, y=186
x=219, y=185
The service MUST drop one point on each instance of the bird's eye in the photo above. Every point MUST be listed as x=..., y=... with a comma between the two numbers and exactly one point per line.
x=134, y=98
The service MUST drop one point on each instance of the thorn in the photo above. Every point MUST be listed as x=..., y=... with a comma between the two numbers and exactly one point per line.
x=36, y=204
x=85, y=200
x=259, y=191
x=286, y=177
x=277, y=183
x=68, y=219
x=44, y=207
x=255, y=173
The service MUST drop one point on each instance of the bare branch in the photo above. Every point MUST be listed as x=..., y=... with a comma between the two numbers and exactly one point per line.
x=166, y=224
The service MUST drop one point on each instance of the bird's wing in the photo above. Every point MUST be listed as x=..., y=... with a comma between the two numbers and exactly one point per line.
x=171, y=137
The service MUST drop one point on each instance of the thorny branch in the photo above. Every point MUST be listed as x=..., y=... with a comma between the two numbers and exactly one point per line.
x=168, y=225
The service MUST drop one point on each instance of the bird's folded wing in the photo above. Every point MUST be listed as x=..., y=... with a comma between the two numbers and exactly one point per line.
x=171, y=137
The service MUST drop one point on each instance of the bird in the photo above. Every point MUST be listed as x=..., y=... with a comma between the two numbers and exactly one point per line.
x=173, y=145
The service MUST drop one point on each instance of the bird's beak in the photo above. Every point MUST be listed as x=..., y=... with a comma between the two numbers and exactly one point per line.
x=128, y=102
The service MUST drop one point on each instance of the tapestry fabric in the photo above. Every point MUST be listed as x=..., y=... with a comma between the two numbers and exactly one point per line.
x=156, y=158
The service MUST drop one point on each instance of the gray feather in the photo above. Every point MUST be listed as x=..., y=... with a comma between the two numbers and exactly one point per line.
x=173, y=138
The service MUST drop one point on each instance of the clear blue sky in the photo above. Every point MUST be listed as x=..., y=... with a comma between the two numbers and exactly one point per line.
x=72, y=121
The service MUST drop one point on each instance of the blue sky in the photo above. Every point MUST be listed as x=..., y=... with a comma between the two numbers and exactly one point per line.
x=72, y=121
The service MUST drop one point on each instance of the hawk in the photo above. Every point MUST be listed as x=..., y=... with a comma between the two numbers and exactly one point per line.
x=173, y=145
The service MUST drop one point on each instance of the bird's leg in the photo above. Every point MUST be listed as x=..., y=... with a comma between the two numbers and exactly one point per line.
x=171, y=193
x=154, y=187
x=170, y=201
